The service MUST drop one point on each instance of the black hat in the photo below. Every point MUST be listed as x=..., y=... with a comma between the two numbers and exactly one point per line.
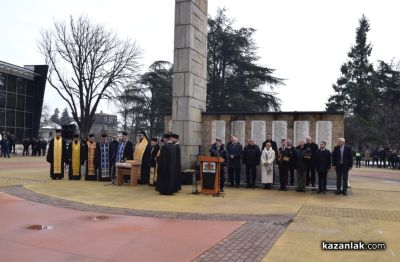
x=154, y=139
x=103, y=135
x=58, y=130
x=167, y=136
x=142, y=133
x=175, y=136
x=76, y=136
x=124, y=133
x=91, y=135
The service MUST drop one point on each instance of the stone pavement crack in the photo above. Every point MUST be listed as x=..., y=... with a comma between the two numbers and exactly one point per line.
x=250, y=242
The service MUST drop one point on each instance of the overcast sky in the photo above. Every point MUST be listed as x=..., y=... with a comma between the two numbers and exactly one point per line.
x=305, y=41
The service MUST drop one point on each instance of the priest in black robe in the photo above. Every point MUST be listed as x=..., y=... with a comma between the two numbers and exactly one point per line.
x=57, y=156
x=175, y=141
x=155, y=148
x=166, y=180
x=104, y=158
x=76, y=158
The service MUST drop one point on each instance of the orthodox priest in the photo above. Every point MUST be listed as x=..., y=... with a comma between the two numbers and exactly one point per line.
x=166, y=180
x=76, y=158
x=104, y=158
x=90, y=157
x=57, y=156
x=140, y=149
x=125, y=151
x=175, y=141
x=155, y=148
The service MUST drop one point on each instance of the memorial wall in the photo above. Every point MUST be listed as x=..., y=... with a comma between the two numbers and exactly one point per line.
x=321, y=126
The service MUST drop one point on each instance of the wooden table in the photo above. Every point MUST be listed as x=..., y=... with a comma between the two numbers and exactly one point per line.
x=130, y=168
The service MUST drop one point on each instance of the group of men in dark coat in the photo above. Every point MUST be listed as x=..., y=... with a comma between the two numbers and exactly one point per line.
x=307, y=159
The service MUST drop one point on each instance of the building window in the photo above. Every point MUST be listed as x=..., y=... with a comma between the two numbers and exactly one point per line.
x=19, y=121
x=10, y=118
x=29, y=88
x=105, y=119
x=3, y=82
x=21, y=102
x=19, y=135
x=28, y=120
x=21, y=86
x=2, y=118
x=2, y=99
x=11, y=100
x=29, y=104
x=11, y=84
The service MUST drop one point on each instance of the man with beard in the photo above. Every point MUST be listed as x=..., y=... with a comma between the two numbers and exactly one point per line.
x=166, y=180
x=57, y=156
x=104, y=158
x=76, y=158
x=142, y=148
x=125, y=151
x=90, y=154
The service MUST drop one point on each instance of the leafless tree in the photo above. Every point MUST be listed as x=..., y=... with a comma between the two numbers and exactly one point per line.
x=87, y=63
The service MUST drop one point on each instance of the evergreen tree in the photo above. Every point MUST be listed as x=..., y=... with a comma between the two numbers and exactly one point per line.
x=236, y=82
x=55, y=118
x=354, y=92
x=64, y=120
x=157, y=82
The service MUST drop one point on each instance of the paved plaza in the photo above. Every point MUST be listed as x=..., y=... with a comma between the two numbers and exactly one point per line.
x=94, y=221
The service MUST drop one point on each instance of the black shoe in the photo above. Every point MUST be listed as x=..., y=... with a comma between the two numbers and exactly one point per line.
x=324, y=192
x=248, y=186
x=280, y=189
x=338, y=192
x=231, y=185
x=344, y=193
x=237, y=186
x=319, y=191
x=265, y=186
x=253, y=187
x=221, y=190
x=303, y=190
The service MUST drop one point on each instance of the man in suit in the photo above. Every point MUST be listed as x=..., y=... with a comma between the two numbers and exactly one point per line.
x=310, y=177
x=284, y=155
x=251, y=158
x=342, y=161
x=292, y=162
x=218, y=150
x=323, y=165
x=234, y=152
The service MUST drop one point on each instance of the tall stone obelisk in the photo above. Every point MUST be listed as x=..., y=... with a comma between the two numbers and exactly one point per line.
x=190, y=76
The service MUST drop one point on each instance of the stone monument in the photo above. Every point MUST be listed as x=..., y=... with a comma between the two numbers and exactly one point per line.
x=189, y=76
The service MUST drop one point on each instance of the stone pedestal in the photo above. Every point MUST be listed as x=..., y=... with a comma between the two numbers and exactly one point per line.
x=190, y=76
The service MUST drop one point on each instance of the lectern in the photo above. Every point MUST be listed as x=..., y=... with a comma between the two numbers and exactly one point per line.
x=209, y=174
